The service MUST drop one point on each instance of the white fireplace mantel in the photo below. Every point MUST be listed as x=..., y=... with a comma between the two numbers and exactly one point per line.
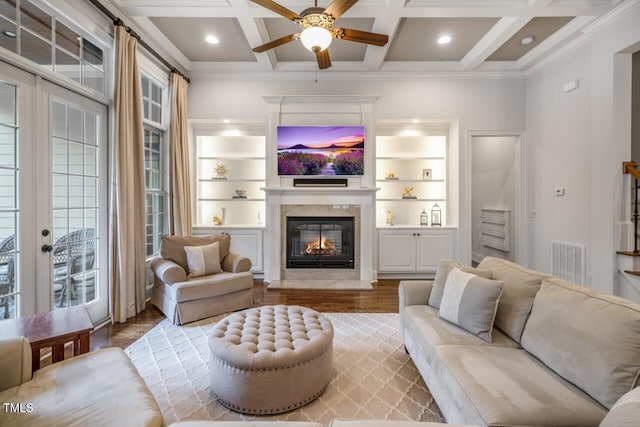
x=363, y=198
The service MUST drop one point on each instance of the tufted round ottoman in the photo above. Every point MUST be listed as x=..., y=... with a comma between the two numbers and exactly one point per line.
x=271, y=359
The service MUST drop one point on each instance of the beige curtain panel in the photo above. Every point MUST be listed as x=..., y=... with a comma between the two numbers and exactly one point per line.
x=180, y=199
x=127, y=239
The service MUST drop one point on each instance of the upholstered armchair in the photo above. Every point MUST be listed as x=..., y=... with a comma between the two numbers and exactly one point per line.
x=197, y=277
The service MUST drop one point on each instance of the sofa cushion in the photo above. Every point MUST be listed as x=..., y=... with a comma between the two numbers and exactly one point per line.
x=520, y=288
x=101, y=388
x=499, y=386
x=470, y=302
x=589, y=338
x=203, y=260
x=626, y=411
x=172, y=247
x=426, y=330
x=444, y=268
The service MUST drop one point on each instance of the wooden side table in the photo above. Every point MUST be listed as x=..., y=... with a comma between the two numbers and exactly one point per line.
x=53, y=329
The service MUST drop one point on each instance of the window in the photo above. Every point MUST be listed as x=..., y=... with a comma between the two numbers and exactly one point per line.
x=154, y=155
x=33, y=34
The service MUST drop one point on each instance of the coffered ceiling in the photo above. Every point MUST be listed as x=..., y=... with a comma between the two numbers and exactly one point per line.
x=486, y=35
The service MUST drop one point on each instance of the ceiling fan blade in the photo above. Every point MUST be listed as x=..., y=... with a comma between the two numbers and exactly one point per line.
x=338, y=7
x=275, y=7
x=274, y=43
x=323, y=59
x=362, y=36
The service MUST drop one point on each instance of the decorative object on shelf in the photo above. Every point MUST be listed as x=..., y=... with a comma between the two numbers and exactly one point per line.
x=391, y=176
x=218, y=218
x=426, y=174
x=407, y=193
x=424, y=218
x=259, y=218
x=221, y=171
x=388, y=217
x=436, y=215
x=241, y=194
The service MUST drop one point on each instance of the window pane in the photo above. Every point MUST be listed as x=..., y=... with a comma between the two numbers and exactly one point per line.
x=7, y=103
x=7, y=147
x=145, y=109
x=76, y=158
x=59, y=118
x=7, y=227
x=8, y=9
x=35, y=49
x=67, y=65
x=90, y=220
x=7, y=189
x=156, y=113
x=76, y=128
x=75, y=191
x=156, y=93
x=90, y=128
x=90, y=192
x=92, y=77
x=59, y=155
x=145, y=86
x=90, y=161
x=8, y=39
x=67, y=39
x=60, y=191
x=92, y=54
x=35, y=19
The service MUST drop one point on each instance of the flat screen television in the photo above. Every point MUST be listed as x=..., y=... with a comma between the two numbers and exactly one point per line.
x=320, y=150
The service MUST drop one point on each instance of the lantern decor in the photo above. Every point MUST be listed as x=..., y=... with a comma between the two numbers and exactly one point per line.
x=436, y=215
x=424, y=220
x=388, y=218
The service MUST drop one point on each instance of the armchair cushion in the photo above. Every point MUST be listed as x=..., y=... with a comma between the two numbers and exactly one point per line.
x=203, y=260
x=172, y=247
x=236, y=263
x=15, y=362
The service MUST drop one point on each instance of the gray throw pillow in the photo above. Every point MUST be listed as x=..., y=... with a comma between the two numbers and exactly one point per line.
x=444, y=268
x=471, y=302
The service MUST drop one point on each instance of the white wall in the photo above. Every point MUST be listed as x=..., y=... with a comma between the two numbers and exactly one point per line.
x=493, y=180
x=578, y=141
x=491, y=103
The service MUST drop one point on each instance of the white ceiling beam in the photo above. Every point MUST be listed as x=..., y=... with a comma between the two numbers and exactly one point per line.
x=504, y=29
x=385, y=24
x=256, y=33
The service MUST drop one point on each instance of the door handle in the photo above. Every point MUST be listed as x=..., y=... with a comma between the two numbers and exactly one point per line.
x=46, y=248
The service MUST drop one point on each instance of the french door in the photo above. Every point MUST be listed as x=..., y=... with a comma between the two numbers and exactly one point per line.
x=60, y=184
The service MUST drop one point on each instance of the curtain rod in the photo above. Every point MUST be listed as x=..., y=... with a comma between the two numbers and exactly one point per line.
x=118, y=21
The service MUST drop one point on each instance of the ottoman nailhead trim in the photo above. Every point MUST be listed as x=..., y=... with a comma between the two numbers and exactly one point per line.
x=304, y=362
x=273, y=410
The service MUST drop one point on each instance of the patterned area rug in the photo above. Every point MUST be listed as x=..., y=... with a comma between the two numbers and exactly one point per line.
x=373, y=377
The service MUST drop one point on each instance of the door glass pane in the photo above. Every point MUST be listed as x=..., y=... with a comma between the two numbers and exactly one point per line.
x=59, y=155
x=67, y=65
x=59, y=119
x=9, y=254
x=75, y=267
x=67, y=38
x=35, y=19
x=35, y=49
x=60, y=191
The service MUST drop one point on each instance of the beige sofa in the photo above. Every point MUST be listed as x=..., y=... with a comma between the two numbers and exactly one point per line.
x=186, y=299
x=561, y=354
x=97, y=389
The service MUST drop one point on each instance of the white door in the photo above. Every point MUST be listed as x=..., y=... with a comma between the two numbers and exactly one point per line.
x=53, y=198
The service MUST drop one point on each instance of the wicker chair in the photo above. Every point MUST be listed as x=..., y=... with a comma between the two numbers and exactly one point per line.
x=72, y=254
x=7, y=272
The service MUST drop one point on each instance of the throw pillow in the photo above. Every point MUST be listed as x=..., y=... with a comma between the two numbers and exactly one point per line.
x=444, y=268
x=471, y=302
x=172, y=247
x=203, y=260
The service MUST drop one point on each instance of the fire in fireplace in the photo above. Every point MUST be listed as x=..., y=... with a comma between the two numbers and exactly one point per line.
x=320, y=242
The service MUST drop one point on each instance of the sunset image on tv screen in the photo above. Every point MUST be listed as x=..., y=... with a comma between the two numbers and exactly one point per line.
x=320, y=150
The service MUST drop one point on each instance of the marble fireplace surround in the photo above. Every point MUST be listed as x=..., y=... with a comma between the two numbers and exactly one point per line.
x=319, y=202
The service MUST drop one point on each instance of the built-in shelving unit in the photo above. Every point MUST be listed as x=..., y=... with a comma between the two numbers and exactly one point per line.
x=415, y=161
x=240, y=149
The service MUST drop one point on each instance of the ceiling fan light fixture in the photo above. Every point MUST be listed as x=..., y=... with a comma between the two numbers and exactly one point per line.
x=316, y=39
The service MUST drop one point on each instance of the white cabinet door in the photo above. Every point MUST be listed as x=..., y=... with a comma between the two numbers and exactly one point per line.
x=432, y=246
x=396, y=251
x=244, y=241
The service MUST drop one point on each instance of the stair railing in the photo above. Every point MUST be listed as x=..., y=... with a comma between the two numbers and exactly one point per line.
x=631, y=168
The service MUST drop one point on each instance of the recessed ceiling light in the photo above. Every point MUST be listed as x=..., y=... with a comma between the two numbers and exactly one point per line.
x=526, y=40
x=415, y=121
x=8, y=33
x=444, y=39
x=211, y=39
x=226, y=121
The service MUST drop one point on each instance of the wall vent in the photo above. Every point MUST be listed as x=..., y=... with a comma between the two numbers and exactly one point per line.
x=568, y=261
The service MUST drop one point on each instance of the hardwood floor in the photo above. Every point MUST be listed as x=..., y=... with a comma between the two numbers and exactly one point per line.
x=383, y=299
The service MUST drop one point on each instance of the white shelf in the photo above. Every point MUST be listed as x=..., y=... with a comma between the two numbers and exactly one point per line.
x=223, y=180
x=231, y=158
x=203, y=199
x=409, y=180
x=399, y=199
x=408, y=156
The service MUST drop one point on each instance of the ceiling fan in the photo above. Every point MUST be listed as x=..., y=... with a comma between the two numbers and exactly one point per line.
x=317, y=30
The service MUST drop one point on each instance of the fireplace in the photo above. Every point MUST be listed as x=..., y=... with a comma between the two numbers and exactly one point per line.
x=320, y=242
